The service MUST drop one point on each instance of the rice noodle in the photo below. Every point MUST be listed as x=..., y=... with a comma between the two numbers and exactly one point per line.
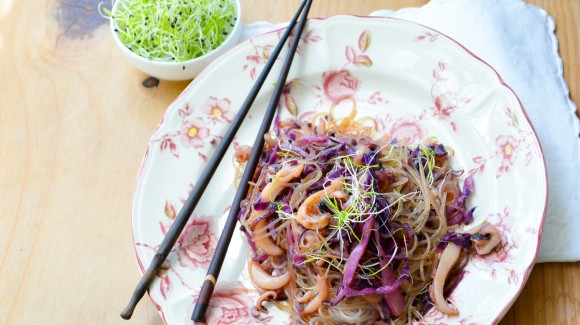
x=384, y=229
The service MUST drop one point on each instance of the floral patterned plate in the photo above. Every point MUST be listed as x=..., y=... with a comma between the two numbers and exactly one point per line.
x=415, y=83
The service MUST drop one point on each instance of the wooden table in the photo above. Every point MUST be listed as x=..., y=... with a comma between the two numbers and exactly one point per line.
x=74, y=124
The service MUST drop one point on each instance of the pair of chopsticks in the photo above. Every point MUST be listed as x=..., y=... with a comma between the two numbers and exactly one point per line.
x=181, y=220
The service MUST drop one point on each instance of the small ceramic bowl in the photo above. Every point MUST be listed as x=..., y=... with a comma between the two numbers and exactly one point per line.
x=174, y=70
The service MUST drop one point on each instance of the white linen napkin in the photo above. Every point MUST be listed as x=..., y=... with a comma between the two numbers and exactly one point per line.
x=518, y=40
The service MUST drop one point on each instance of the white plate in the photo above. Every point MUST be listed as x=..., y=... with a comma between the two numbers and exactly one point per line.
x=416, y=83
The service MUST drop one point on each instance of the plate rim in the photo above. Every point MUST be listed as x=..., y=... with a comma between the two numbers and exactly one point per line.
x=243, y=43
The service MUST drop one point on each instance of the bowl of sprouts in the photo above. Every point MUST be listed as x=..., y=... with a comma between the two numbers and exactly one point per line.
x=174, y=39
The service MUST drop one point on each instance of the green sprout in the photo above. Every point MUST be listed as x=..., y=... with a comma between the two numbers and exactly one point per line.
x=284, y=154
x=173, y=30
x=430, y=155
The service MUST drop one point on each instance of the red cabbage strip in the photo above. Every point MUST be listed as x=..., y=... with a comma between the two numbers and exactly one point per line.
x=250, y=241
x=260, y=258
x=273, y=155
x=439, y=150
x=327, y=154
x=394, y=299
x=276, y=125
x=243, y=208
x=350, y=292
x=260, y=206
x=296, y=258
x=308, y=169
x=458, y=213
x=293, y=148
x=386, y=314
x=335, y=173
x=412, y=154
x=272, y=230
x=462, y=240
x=263, y=216
x=326, y=181
x=354, y=260
x=370, y=158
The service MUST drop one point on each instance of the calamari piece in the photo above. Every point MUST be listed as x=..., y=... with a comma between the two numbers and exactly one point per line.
x=448, y=259
x=264, y=280
x=309, y=214
x=284, y=177
x=486, y=239
x=315, y=297
x=265, y=297
x=265, y=242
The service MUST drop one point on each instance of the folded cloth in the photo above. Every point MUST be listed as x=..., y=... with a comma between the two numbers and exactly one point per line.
x=518, y=40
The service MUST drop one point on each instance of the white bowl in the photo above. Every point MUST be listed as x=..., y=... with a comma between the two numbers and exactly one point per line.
x=173, y=70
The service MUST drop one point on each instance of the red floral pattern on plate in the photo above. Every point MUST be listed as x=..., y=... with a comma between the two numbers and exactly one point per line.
x=197, y=242
x=231, y=303
x=408, y=128
x=339, y=85
x=342, y=83
x=308, y=38
x=194, y=248
x=497, y=261
x=261, y=55
x=357, y=56
x=446, y=98
x=509, y=148
x=431, y=36
x=218, y=110
x=258, y=59
x=287, y=99
x=194, y=132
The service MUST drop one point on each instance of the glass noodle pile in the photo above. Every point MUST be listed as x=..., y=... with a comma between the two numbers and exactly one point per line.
x=350, y=227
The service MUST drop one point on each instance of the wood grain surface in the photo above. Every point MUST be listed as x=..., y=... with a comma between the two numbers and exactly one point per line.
x=74, y=124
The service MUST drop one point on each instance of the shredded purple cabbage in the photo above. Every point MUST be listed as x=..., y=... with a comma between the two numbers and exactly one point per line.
x=370, y=158
x=297, y=258
x=335, y=173
x=272, y=230
x=328, y=154
x=308, y=169
x=354, y=259
x=394, y=300
x=260, y=258
x=260, y=206
x=439, y=150
x=413, y=153
x=250, y=241
x=345, y=291
x=243, y=208
x=459, y=213
x=284, y=207
x=462, y=240
x=386, y=314
x=260, y=218
x=294, y=148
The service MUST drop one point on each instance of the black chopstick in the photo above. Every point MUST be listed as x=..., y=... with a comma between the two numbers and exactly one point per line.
x=224, y=241
x=181, y=220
